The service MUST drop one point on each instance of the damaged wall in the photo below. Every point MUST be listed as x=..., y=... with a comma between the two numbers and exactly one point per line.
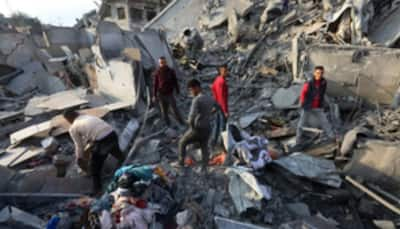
x=16, y=49
x=114, y=73
x=176, y=16
x=373, y=73
x=73, y=38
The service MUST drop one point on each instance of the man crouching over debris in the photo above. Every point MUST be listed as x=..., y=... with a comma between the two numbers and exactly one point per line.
x=312, y=101
x=199, y=123
x=165, y=83
x=94, y=139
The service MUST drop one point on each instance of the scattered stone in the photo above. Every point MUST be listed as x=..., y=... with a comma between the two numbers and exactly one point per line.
x=299, y=209
x=286, y=98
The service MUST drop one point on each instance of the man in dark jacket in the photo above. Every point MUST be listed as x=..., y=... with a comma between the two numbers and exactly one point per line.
x=312, y=101
x=199, y=123
x=165, y=83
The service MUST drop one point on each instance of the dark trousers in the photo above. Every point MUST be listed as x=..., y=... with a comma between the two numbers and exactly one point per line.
x=193, y=136
x=219, y=126
x=167, y=102
x=100, y=151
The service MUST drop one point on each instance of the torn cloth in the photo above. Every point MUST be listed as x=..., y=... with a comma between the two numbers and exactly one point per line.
x=245, y=190
x=253, y=151
x=133, y=217
x=144, y=173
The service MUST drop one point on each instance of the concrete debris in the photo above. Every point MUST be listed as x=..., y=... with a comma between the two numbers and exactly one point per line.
x=103, y=67
x=246, y=121
x=375, y=161
x=223, y=223
x=50, y=145
x=56, y=102
x=286, y=98
x=384, y=224
x=350, y=138
x=191, y=41
x=309, y=222
x=319, y=170
x=15, y=218
x=128, y=134
x=387, y=32
x=299, y=209
x=355, y=17
x=273, y=10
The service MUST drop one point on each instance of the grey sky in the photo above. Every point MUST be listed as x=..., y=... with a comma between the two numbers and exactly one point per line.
x=57, y=12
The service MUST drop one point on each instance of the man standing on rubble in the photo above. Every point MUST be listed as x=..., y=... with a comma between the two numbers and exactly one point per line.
x=219, y=90
x=94, y=139
x=199, y=123
x=165, y=83
x=312, y=101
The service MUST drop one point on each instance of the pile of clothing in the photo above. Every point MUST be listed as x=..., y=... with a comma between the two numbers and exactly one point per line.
x=136, y=198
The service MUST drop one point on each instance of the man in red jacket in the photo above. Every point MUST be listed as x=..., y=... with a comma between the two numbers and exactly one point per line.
x=312, y=101
x=165, y=83
x=220, y=90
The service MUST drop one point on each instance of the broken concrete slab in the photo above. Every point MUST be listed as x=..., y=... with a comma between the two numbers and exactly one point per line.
x=384, y=224
x=56, y=102
x=74, y=38
x=6, y=175
x=246, y=120
x=214, y=19
x=170, y=19
x=40, y=130
x=16, y=218
x=155, y=43
x=376, y=161
x=128, y=134
x=148, y=153
x=241, y=7
x=223, y=223
x=350, y=139
x=387, y=33
x=31, y=180
x=7, y=73
x=58, y=125
x=35, y=77
x=9, y=116
x=76, y=185
x=281, y=133
x=309, y=222
x=286, y=98
x=373, y=77
x=323, y=149
x=299, y=209
x=319, y=170
x=13, y=157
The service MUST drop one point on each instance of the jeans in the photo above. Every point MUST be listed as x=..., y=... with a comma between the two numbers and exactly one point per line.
x=306, y=120
x=218, y=127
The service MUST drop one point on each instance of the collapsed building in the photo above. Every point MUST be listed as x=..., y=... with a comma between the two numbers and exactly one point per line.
x=131, y=14
x=103, y=67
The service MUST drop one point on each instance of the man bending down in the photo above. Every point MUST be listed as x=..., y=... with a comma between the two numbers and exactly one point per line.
x=94, y=139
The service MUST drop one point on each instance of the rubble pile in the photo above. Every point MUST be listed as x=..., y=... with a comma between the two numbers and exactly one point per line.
x=256, y=176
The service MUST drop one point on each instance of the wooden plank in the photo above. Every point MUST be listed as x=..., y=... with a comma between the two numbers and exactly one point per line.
x=41, y=129
x=15, y=156
x=373, y=195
